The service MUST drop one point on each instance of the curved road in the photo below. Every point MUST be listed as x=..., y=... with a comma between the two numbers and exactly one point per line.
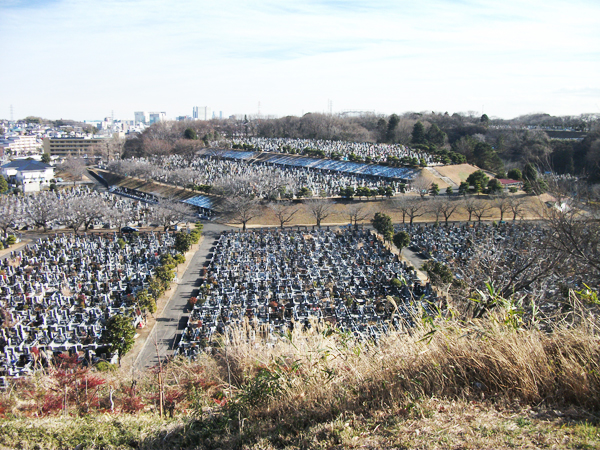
x=174, y=316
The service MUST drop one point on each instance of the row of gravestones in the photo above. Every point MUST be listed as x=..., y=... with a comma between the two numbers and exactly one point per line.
x=57, y=293
x=280, y=278
x=377, y=152
x=212, y=171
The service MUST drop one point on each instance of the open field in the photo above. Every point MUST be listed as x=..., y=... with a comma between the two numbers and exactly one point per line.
x=339, y=213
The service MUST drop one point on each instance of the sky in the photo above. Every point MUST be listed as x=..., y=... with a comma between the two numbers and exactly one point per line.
x=86, y=60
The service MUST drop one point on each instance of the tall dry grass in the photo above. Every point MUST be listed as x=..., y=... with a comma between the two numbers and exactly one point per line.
x=315, y=375
x=311, y=376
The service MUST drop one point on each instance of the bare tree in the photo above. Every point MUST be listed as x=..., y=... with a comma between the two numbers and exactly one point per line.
x=574, y=223
x=92, y=209
x=109, y=149
x=415, y=208
x=319, y=208
x=284, y=211
x=421, y=185
x=238, y=186
x=448, y=208
x=42, y=209
x=358, y=212
x=10, y=214
x=516, y=206
x=502, y=203
x=168, y=212
x=435, y=207
x=119, y=216
x=400, y=204
x=481, y=208
x=508, y=270
x=187, y=148
x=240, y=210
x=71, y=213
x=470, y=205
x=76, y=167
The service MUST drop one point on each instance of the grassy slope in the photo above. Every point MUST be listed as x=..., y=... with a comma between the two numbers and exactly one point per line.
x=473, y=385
x=427, y=424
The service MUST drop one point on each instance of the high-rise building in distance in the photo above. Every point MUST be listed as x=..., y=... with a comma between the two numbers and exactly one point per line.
x=148, y=118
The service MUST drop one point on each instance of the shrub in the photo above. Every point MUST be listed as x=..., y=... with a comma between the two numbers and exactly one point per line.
x=104, y=366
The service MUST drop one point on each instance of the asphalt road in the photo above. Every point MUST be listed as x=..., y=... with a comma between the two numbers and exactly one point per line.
x=169, y=325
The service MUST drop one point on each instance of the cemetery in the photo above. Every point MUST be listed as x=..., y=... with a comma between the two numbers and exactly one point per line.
x=458, y=242
x=56, y=294
x=516, y=257
x=275, y=280
x=343, y=150
x=213, y=167
x=61, y=209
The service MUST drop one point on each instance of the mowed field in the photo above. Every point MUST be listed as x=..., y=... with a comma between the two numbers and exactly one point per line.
x=339, y=212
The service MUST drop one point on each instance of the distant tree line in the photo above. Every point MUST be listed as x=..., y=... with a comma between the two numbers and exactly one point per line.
x=495, y=145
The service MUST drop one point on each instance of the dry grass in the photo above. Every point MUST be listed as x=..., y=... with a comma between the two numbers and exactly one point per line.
x=318, y=373
x=443, y=384
x=459, y=172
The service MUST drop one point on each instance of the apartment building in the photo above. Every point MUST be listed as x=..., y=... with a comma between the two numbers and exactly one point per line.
x=19, y=145
x=67, y=146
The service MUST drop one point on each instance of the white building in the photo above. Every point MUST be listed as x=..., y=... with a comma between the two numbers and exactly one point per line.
x=201, y=113
x=148, y=118
x=30, y=174
x=141, y=117
x=19, y=145
x=157, y=117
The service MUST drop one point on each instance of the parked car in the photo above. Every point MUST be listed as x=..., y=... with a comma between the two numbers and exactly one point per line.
x=129, y=230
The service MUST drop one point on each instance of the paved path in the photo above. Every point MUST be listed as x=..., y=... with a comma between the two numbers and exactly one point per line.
x=173, y=319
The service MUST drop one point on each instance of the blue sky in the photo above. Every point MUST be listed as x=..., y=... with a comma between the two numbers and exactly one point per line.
x=81, y=59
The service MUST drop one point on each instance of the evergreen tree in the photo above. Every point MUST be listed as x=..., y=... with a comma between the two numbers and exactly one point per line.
x=418, y=134
x=401, y=240
x=183, y=242
x=494, y=186
x=382, y=127
x=530, y=173
x=391, y=128
x=383, y=224
x=478, y=177
x=190, y=133
x=514, y=174
x=119, y=335
x=436, y=136
x=3, y=185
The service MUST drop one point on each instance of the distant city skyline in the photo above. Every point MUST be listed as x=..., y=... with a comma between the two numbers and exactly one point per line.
x=81, y=60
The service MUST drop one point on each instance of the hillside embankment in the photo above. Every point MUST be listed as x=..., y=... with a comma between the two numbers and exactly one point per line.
x=442, y=383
